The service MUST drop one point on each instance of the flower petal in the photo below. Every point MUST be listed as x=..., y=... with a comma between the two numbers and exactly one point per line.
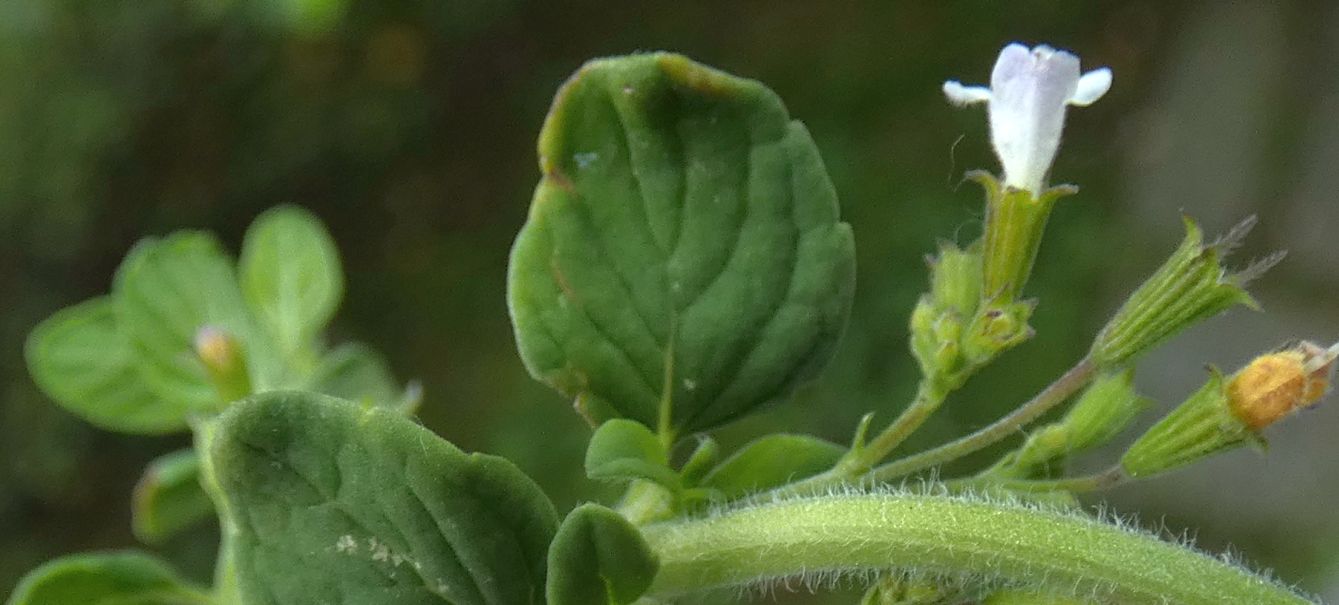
x=965, y=95
x=1014, y=61
x=1029, y=90
x=1092, y=86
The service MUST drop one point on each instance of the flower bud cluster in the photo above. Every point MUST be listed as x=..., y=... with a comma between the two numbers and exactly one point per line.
x=953, y=330
x=1029, y=92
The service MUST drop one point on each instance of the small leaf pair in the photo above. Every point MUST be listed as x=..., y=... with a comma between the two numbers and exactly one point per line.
x=131, y=361
x=625, y=450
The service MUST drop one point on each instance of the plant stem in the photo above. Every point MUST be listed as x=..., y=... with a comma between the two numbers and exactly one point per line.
x=1054, y=394
x=1103, y=480
x=817, y=537
x=226, y=590
x=862, y=457
x=1095, y=482
x=844, y=472
x=929, y=396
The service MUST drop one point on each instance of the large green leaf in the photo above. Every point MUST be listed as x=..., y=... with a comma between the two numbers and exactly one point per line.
x=598, y=558
x=169, y=497
x=80, y=359
x=772, y=461
x=683, y=245
x=165, y=292
x=110, y=578
x=332, y=502
x=290, y=275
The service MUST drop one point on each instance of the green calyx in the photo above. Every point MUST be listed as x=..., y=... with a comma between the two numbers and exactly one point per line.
x=1104, y=410
x=1015, y=222
x=1192, y=285
x=1201, y=426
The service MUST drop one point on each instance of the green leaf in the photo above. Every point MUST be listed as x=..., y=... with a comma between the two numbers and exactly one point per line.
x=625, y=450
x=331, y=502
x=80, y=359
x=110, y=578
x=290, y=275
x=683, y=245
x=165, y=292
x=358, y=373
x=598, y=557
x=169, y=497
x=772, y=461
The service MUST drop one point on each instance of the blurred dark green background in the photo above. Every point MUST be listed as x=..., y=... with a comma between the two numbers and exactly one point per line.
x=409, y=128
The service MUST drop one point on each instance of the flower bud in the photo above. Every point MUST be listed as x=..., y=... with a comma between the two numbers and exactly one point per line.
x=224, y=362
x=1192, y=285
x=955, y=278
x=956, y=328
x=941, y=315
x=995, y=329
x=1101, y=412
x=1228, y=412
x=1271, y=387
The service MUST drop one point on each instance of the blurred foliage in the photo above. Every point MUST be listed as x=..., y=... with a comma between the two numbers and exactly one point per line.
x=409, y=128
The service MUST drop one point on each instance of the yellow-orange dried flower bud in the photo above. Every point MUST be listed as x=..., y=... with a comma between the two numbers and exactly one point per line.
x=224, y=362
x=1230, y=411
x=217, y=349
x=1273, y=385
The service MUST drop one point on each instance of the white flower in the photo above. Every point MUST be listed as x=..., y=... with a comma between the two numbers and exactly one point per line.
x=1028, y=92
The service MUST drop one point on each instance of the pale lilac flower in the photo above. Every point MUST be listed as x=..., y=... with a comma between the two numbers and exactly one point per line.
x=1029, y=90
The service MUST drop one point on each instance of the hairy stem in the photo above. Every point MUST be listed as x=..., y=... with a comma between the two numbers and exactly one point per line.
x=969, y=539
x=1055, y=394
